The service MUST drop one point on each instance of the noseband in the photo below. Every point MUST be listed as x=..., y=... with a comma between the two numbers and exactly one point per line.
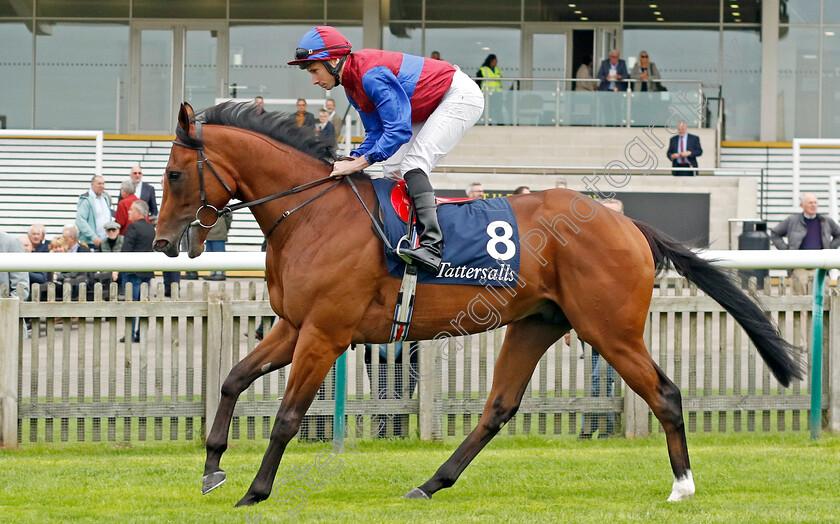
x=196, y=144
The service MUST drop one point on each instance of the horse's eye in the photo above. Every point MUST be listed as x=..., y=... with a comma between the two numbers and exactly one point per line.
x=174, y=176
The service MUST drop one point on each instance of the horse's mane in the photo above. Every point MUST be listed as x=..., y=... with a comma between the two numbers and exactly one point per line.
x=277, y=125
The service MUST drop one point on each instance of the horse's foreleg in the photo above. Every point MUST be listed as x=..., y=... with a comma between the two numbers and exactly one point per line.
x=525, y=342
x=314, y=355
x=632, y=361
x=274, y=352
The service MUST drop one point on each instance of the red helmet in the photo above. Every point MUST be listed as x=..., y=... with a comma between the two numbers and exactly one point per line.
x=321, y=43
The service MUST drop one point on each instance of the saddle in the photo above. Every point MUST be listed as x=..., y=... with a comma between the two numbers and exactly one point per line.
x=402, y=203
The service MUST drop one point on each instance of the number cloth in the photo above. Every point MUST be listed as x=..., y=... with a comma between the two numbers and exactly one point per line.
x=481, y=237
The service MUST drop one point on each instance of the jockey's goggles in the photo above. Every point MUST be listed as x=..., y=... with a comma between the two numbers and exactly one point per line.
x=302, y=53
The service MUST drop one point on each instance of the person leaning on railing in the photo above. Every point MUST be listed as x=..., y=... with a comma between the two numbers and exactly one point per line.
x=646, y=74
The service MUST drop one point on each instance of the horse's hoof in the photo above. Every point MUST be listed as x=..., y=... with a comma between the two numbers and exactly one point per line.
x=683, y=488
x=416, y=493
x=212, y=481
x=247, y=500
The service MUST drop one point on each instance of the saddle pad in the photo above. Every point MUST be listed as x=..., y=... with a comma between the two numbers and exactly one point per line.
x=481, y=240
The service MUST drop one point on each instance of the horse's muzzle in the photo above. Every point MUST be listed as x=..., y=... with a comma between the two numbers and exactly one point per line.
x=166, y=247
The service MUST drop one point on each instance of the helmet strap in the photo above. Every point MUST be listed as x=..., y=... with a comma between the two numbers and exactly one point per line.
x=335, y=70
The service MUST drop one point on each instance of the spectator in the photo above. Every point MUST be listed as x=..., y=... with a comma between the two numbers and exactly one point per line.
x=259, y=105
x=144, y=192
x=806, y=230
x=138, y=239
x=93, y=211
x=127, y=197
x=27, y=244
x=522, y=190
x=475, y=190
x=58, y=245
x=612, y=70
x=411, y=122
x=335, y=118
x=215, y=242
x=584, y=72
x=11, y=280
x=683, y=150
x=73, y=279
x=324, y=128
x=492, y=88
x=37, y=236
x=71, y=236
x=114, y=242
x=435, y=55
x=303, y=117
x=646, y=74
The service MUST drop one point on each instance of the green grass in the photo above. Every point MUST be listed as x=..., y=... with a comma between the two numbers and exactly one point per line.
x=740, y=478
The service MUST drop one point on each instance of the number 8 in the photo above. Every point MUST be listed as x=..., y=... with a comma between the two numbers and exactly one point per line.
x=505, y=239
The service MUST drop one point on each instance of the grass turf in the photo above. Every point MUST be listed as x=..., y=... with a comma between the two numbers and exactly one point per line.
x=740, y=477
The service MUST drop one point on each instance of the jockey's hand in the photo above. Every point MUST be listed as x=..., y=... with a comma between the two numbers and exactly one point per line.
x=348, y=167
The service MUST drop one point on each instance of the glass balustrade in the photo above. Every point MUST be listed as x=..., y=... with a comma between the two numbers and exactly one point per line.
x=555, y=102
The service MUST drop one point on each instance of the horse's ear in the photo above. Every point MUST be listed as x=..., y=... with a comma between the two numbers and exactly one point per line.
x=185, y=116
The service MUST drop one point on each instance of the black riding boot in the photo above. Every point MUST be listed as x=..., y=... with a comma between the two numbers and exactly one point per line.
x=427, y=256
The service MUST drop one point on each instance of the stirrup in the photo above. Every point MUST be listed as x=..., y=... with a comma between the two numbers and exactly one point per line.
x=407, y=259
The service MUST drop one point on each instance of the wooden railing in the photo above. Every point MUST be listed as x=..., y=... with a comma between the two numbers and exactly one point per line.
x=69, y=378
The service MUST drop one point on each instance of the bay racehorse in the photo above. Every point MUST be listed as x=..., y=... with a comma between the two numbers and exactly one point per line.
x=590, y=269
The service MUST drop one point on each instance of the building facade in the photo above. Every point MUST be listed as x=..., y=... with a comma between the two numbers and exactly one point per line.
x=123, y=66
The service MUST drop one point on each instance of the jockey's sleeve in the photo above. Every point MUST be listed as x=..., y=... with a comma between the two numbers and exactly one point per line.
x=391, y=118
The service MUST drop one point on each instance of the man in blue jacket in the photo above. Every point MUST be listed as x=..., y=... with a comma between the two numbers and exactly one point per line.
x=414, y=109
x=611, y=72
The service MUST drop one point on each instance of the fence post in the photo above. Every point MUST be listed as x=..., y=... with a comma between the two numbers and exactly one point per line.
x=429, y=384
x=212, y=364
x=635, y=409
x=9, y=340
x=833, y=356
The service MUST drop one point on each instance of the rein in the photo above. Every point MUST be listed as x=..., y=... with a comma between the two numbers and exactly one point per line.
x=186, y=141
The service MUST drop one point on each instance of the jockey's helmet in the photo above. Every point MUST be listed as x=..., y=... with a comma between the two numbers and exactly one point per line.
x=321, y=43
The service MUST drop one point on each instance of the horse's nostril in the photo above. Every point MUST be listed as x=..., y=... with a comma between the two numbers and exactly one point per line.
x=160, y=245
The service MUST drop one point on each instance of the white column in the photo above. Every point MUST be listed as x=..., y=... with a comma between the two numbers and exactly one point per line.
x=371, y=23
x=769, y=70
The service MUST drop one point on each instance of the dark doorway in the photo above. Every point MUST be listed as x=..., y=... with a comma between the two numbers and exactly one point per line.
x=583, y=43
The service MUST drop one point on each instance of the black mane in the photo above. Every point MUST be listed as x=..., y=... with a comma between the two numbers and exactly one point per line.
x=279, y=126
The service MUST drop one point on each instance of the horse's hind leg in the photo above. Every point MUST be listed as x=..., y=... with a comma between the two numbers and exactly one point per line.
x=525, y=342
x=632, y=361
x=274, y=352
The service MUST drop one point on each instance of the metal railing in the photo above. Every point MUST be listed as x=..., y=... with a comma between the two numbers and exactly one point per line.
x=554, y=102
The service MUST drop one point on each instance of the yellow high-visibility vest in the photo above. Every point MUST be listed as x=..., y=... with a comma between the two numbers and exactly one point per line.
x=491, y=85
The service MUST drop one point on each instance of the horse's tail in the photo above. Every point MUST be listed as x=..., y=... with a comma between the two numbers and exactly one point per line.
x=775, y=351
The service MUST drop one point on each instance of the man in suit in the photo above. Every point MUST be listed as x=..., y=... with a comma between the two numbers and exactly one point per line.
x=612, y=71
x=144, y=191
x=683, y=150
x=139, y=237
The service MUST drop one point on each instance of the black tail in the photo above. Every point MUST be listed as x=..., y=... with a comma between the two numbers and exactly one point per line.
x=775, y=351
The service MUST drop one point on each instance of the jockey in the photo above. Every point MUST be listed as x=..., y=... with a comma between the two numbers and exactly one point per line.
x=414, y=110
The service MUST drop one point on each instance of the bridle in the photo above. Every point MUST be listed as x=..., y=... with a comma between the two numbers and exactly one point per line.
x=196, y=144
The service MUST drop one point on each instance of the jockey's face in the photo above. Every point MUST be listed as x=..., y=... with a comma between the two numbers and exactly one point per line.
x=320, y=76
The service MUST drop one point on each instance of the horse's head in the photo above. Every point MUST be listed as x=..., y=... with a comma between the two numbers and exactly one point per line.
x=192, y=190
